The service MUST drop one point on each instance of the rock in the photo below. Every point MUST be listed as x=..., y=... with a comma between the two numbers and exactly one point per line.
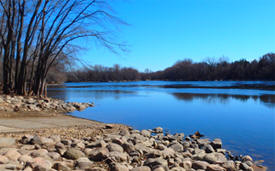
x=39, y=153
x=209, y=149
x=12, y=154
x=118, y=167
x=245, y=167
x=141, y=168
x=187, y=164
x=61, y=166
x=25, y=159
x=159, y=169
x=215, y=158
x=145, y=133
x=3, y=160
x=178, y=169
x=28, y=168
x=247, y=158
x=216, y=143
x=118, y=156
x=114, y=147
x=155, y=162
x=158, y=130
x=229, y=165
x=215, y=167
x=84, y=163
x=54, y=155
x=199, y=165
x=26, y=139
x=6, y=142
x=41, y=140
x=73, y=154
x=176, y=146
x=40, y=163
x=98, y=154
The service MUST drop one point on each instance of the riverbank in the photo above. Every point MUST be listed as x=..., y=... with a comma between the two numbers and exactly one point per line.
x=27, y=104
x=47, y=141
x=100, y=147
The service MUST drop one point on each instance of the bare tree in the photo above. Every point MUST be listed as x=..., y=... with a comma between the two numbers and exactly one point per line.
x=35, y=33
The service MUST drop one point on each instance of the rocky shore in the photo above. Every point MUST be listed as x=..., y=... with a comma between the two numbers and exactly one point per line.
x=35, y=104
x=119, y=150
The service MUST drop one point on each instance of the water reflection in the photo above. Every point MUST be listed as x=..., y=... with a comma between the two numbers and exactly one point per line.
x=65, y=94
x=268, y=100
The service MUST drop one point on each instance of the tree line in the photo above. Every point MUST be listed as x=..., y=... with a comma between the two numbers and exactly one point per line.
x=185, y=70
x=35, y=34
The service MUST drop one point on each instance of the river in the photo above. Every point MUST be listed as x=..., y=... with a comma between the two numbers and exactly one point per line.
x=243, y=118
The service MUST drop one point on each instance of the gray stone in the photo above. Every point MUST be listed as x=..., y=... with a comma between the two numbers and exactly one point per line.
x=114, y=147
x=118, y=156
x=176, y=146
x=84, y=163
x=215, y=167
x=215, y=158
x=199, y=165
x=141, y=168
x=229, y=165
x=74, y=154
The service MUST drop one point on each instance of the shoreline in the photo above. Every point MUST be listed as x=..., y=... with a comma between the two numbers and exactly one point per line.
x=56, y=141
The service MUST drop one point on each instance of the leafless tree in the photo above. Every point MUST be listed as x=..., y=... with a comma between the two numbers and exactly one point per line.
x=35, y=33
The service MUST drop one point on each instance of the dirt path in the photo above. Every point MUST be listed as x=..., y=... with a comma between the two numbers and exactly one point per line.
x=48, y=124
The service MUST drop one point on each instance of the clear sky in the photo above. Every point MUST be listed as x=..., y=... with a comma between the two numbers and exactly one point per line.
x=161, y=32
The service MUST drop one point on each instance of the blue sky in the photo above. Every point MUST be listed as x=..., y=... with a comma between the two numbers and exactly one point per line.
x=162, y=32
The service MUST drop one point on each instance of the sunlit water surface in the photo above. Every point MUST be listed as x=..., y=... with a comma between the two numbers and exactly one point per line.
x=243, y=118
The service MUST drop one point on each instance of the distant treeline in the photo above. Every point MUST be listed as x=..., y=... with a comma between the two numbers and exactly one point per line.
x=262, y=69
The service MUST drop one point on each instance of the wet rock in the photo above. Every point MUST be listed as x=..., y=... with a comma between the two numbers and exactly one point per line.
x=216, y=143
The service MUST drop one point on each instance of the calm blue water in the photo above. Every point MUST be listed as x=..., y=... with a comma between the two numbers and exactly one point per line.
x=243, y=118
